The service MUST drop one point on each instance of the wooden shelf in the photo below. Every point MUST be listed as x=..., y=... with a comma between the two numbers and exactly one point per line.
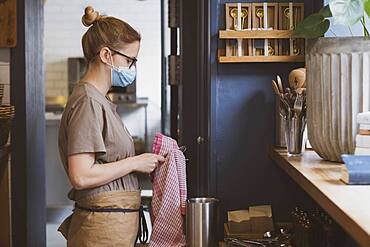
x=346, y=204
x=259, y=59
x=256, y=34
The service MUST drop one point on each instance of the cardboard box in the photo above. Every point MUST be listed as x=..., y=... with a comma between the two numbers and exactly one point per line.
x=261, y=219
x=239, y=221
x=258, y=220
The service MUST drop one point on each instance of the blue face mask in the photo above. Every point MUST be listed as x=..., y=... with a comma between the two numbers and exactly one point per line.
x=123, y=76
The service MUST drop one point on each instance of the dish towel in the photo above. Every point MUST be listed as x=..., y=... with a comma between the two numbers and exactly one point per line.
x=169, y=195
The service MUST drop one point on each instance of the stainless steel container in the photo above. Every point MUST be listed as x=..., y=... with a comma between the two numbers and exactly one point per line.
x=279, y=125
x=201, y=222
x=294, y=128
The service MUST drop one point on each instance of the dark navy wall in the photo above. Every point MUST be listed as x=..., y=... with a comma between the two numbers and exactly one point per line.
x=242, y=129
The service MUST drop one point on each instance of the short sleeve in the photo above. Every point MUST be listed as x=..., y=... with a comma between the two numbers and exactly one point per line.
x=85, y=128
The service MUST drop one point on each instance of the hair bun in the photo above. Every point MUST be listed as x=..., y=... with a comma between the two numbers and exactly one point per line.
x=90, y=16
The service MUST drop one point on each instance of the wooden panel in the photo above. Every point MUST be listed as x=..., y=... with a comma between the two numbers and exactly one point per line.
x=348, y=205
x=8, y=23
x=256, y=34
x=5, y=206
x=298, y=16
x=272, y=22
x=195, y=31
x=230, y=25
x=260, y=59
x=28, y=130
x=272, y=19
x=253, y=36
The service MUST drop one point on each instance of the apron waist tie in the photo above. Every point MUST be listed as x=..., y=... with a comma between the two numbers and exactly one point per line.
x=142, y=234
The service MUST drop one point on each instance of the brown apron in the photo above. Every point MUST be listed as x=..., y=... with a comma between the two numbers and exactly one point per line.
x=84, y=228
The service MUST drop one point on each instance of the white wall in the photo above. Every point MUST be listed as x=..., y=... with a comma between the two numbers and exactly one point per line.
x=63, y=32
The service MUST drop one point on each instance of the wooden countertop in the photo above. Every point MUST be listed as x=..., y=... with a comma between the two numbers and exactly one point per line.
x=349, y=205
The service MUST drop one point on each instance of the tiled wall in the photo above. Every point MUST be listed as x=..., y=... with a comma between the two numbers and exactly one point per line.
x=63, y=32
x=5, y=74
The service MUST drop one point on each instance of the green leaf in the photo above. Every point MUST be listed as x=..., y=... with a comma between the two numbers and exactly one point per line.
x=322, y=28
x=312, y=20
x=315, y=25
x=326, y=12
x=300, y=29
x=367, y=7
x=313, y=31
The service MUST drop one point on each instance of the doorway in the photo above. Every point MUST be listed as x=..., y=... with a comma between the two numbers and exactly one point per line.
x=183, y=109
x=140, y=105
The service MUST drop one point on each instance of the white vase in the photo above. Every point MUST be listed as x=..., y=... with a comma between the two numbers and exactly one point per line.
x=338, y=88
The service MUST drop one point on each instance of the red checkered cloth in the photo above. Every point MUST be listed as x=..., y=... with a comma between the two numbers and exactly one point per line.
x=169, y=195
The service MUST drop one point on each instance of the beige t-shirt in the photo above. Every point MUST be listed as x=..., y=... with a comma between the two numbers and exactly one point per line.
x=91, y=124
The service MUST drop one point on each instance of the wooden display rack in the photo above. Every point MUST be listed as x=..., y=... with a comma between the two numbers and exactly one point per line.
x=231, y=24
x=274, y=31
x=260, y=59
x=284, y=24
x=258, y=23
x=256, y=34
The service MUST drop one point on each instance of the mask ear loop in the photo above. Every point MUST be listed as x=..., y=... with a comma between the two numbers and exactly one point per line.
x=111, y=67
x=111, y=59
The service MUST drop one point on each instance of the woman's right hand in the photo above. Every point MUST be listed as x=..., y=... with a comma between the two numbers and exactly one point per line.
x=147, y=162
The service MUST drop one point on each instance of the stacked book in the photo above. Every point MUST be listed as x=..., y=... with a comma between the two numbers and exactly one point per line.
x=357, y=167
x=363, y=137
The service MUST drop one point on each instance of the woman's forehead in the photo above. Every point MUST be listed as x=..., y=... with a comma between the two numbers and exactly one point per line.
x=131, y=49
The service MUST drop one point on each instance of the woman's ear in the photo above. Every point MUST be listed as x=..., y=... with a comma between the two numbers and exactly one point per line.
x=106, y=56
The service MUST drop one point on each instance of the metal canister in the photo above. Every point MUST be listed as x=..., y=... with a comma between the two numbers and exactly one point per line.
x=294, y=129
x=201, y=222
x=279, y=125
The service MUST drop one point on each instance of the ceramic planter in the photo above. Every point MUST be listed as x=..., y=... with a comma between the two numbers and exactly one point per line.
x=338, y=78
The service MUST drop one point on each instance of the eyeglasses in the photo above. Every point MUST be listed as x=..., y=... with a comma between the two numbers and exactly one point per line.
x=132, y=59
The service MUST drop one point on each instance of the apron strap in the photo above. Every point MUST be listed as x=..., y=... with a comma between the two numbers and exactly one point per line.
x=142, y=234
x=107, y=210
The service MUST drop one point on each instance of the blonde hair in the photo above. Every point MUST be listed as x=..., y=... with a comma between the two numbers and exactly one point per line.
x=105, y=31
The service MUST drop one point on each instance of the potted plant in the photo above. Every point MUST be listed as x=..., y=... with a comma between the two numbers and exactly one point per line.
x=338, y=77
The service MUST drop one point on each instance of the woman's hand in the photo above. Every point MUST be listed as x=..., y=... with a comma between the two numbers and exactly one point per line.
x=147, y=162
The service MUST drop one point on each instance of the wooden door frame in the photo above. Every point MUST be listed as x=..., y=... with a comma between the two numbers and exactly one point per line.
x=195, y=101
x=28, y=130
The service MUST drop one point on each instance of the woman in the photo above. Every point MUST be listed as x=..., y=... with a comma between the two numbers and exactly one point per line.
x=95, y=147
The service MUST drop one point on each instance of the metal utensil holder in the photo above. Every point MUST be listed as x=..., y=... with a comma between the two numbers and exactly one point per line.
x=279, y=125
x=294, y=128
